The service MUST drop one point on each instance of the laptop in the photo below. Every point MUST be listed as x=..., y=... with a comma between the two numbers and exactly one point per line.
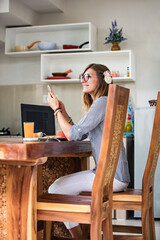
x=42, y=116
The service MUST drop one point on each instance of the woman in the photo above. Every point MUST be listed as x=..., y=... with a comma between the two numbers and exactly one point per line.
x=95, y=81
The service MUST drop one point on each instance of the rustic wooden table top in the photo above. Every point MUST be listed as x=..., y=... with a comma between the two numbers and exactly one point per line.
x=27, y=151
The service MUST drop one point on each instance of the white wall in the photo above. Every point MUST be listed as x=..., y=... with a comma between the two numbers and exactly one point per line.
x=12, y=96
x=2, y=35
x=14, y=13
x=140, y=21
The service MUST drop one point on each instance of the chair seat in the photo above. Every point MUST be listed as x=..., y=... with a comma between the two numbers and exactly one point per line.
x=131, y=199
x=51, y=206
x=128, y=195
x=64, y=202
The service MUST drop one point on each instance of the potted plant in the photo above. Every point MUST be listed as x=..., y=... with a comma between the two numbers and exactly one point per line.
x=115, y=37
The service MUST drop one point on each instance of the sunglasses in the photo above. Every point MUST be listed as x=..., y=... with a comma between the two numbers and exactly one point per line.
x=85, y=77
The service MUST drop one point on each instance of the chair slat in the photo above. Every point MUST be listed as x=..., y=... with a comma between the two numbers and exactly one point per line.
x=64, y=216
x=127, y=237
x=124, y=205
x=63, y=207
x=127, y=229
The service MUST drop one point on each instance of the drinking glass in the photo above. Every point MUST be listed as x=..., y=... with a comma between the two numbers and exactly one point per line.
x=28, y=129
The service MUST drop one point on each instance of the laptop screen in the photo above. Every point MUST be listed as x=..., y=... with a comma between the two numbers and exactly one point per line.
x=42, y=116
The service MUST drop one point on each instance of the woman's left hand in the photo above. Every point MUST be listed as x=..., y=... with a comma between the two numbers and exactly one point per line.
x=53, y=100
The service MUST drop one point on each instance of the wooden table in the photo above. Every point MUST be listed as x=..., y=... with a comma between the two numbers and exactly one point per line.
x=21, y=181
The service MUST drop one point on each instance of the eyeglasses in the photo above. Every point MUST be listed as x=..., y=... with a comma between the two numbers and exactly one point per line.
x=85, y=77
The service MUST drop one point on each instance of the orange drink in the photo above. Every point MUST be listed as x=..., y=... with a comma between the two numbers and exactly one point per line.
x=28, y=129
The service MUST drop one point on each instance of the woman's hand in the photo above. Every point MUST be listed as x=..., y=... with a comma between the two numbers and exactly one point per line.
x=53, y=101
x=62, y=116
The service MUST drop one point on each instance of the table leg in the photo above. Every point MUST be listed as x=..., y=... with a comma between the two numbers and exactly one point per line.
x=21, y=202
x=84, y=163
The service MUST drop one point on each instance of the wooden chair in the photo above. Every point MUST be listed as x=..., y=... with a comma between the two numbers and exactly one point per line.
x=96, y=209
x=142, y=200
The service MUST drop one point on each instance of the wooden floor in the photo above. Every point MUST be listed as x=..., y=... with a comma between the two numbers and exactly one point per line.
x=137, y=222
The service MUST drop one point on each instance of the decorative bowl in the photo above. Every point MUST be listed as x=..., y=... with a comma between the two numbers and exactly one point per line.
x=47, y=45
x=59, y=74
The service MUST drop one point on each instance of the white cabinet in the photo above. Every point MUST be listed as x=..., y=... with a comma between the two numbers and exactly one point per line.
x=72, y=34
x=144, y=118
x=114, y=60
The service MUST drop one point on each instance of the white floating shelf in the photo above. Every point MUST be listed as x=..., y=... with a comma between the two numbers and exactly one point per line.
x=70, y=34
x=39, y=52
x=114, y=60
x=115, y=80
x=61, y=80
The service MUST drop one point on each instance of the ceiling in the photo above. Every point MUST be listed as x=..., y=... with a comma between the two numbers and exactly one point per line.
x=43, y=6
x=25, y=12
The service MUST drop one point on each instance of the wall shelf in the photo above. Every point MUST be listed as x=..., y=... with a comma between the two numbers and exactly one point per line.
x=61, y=81
x=114, y=60
x=74, y=34
x=76, y=80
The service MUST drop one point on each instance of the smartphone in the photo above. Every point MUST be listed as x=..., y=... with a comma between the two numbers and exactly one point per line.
x=49, y=88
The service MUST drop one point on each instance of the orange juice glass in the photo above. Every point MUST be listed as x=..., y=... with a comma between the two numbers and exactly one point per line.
x=28, y=129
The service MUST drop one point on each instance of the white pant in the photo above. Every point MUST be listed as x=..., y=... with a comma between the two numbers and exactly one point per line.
x=77, y=182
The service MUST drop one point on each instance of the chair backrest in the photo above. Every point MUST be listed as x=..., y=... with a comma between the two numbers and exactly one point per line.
x=113, y=130
x=148, y=177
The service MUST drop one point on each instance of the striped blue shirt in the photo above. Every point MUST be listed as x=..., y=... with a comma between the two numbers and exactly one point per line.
x=91, y=125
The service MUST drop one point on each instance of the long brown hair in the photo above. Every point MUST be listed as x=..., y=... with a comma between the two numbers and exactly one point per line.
x=102, y=88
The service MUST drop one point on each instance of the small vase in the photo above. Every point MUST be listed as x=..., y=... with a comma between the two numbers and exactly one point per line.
x=115, y=46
